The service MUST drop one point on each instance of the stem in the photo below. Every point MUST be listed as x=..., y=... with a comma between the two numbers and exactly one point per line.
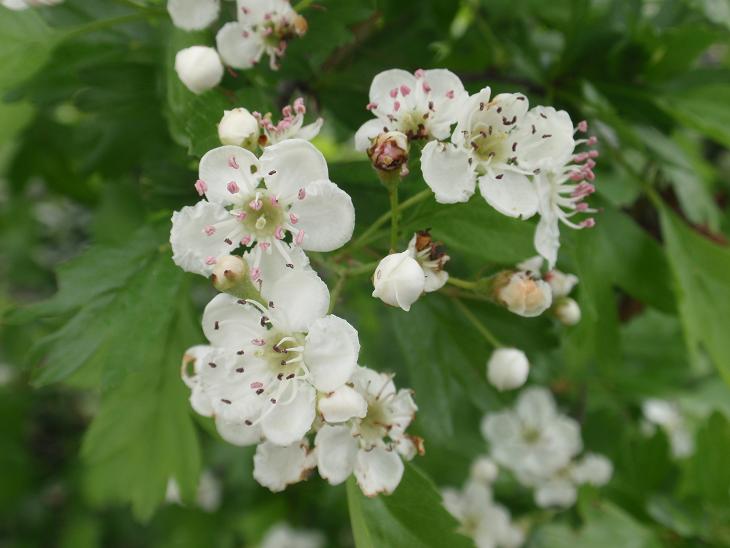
x=476, y=322
x=380, y=221
x=336, y=290
x=366, y=268
x=458, y=282
x=102, y=24
x=393, y=195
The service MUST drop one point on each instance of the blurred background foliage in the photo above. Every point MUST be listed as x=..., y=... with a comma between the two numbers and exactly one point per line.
x=99, y=143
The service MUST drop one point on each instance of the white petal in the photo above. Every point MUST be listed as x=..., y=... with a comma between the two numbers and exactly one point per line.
x=378, y=471
x=547, y=239
x=238, y=433
x=536, y=406
x=545, y=139
x=276, y=467
x=273, y=265
x=192, y=248
x=310, y=131
x=330, y=352
x=253, y=12
x=290, y=166
x=342, y=405
x=193, y=14
x=300, y=298
x=226, y=164
x=447, y=94
x=326, y=215
x=447, y=172
x=231, y=325
x=513, y=194
x=435, y=279
x=290, y=421
x=386, y=81
x=236, y=49
x=367, y=132
x=556, y=492
x=336, y=453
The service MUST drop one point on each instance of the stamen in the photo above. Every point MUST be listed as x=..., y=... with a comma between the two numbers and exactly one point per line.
x=232, y=187
x=233, y=163
x=201, y=187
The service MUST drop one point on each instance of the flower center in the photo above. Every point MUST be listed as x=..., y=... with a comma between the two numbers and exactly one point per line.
x=262, y=214
x=284, y=355
x=375, y=426
x=489, y=144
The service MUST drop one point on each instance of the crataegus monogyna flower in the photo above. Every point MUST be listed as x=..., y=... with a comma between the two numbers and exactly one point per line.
x=422, y=105
x=199, y=68
x=263, y=27
x=399, y=280
x=371, y=446
x=193, y=14
x=240, y=128
x=286, y=196
x=507, y=368
x=521, y=292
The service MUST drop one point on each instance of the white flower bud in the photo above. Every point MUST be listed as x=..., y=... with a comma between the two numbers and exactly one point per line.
x=561, y=284
x=199, y=68
x=193, y=14
x=524, y=295
x=567, y=311
x=507, y=368
x=399, y=280
x=343, y=404
x=484, y=469
x=229, y=271
x=238, y=127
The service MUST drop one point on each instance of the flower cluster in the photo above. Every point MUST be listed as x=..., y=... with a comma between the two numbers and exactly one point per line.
x=540, y=447
x=280, y=371
x=263, y=27
x=524, y=160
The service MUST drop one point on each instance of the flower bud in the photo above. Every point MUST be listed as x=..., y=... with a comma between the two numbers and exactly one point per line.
x=238, y=127
x=300, y=25
x=561, y=284
x=399, y=280
x=343, y=404
x=389, y=153
x=230, y=275
x=522, y=294
x=507, y=368
x=567, y=311
x=484, y=469
x=199, y=68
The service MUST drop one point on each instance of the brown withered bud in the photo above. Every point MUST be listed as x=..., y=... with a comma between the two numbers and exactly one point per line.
x=300, y=25
x=389, y=153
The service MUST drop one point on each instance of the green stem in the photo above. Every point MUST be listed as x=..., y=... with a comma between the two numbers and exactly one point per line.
x=476, y=322
x=393, y=195
x=102, y=24
x=366, y=268
x=365, y=237
x=336, y=290
x=458, y=282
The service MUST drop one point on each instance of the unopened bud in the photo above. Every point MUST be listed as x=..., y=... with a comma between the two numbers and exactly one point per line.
x=389, y=153
x=561, y=283
x=484, y=469
x=199, y=68
x=521, y=294
x=238, y=127
x=230, y=275
x=399, y=280
x=300, y=25
x=343, y=404
x=567, y=311
x=507, y=368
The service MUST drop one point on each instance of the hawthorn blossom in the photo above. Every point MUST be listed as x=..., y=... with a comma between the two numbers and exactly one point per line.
x=389, y=154
x=565, y=309
x=199, y=68
x=521, y=293
x=507, y=368
x=285, y=197
x=422, y=105
x=371, y=446
x=207, y=496
x=281, y=535
x=193, y=14
x=399, y=280
x=261, y=376
x=263, y=27
x=291, y=126
x=240, y=128
x=276, y=466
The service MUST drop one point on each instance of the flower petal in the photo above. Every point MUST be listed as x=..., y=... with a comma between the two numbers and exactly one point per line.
x=231, y=325
x=310, y=131
x=238, y=433
x=276, y=467
x=289, y=421
x=448, y=96
x=238, y=46
x=330, y=352
x=193, y=14
x=300, y=298
x=226, y=164
x=547, y=239
x=193, y=249
x=342, y=404
x=513, y=194
x=367, y=132
x=447, y=172
x=545, y=139
x=378, y=471
x=385, y=82
x=336, y=453
x=326, y=215
x=290, y=166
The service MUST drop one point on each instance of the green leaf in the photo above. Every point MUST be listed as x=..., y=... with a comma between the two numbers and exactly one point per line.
x=413, y=516
x=26, y=43
x=705, y=108
x=708, y=474
x=701, y=271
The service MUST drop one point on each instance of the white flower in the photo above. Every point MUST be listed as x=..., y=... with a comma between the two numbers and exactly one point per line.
x=561, y=283
x=18, y=5
x=291, y=126
x=431, y=257
x=371, y=447
x=256, y=203
x=199, y=68
x=482, y=519
x=484, y=470
x=276, y=467
x=263, y=26
x=533, y=439
x=282, y=535
x=422, y=105
x=567, y=311
x=193, y=14
x=592, y=469
x=399, y=280
x=507, y=368
x=238, y=127
x=270, y=362
x=667, y=415
x=207, y=497
x=524, y=295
